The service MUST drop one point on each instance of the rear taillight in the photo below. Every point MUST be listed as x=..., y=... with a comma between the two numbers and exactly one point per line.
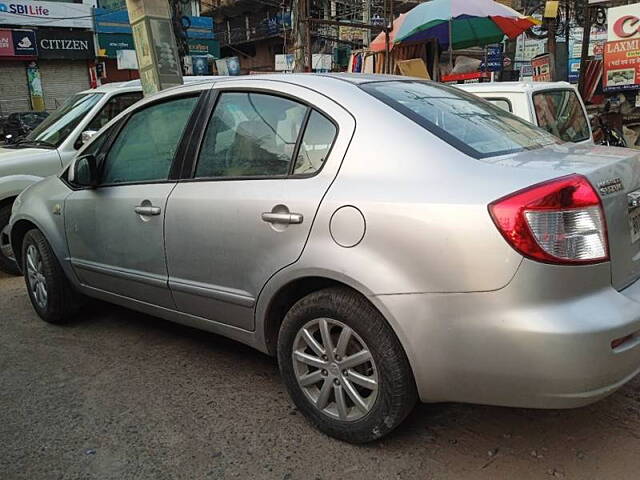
x=558, y=221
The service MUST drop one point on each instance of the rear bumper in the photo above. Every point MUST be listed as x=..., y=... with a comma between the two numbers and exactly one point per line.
x=543, y=341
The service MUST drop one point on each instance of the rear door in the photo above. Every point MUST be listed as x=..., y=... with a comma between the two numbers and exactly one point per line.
x=560, y=112
x=260, y=169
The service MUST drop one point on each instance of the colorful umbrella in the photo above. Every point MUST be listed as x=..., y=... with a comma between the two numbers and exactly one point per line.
x=379, y=44
x=458, y=24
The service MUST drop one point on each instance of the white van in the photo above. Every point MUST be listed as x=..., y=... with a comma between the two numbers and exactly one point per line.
x=554, y=106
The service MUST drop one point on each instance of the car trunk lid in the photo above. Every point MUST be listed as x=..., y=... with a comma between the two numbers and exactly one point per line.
x=615, y=174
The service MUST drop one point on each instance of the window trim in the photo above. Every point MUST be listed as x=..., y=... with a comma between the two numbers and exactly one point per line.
x=106, y=148
x=209, y=109
x=437, y=131
x=584, y=113
x=500, y=99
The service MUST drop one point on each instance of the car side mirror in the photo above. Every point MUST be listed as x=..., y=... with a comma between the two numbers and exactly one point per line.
x=83, y=171
x=87, y=135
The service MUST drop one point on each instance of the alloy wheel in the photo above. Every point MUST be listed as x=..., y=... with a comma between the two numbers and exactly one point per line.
x=335, y=369
x=35, y=274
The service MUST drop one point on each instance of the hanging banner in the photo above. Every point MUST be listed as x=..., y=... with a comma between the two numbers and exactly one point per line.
x=35, y=87
x=621, y=65
x=284, y=62
x=126, y=60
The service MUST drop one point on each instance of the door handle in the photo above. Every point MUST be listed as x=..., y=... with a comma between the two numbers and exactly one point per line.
x=282, y=218
x=147, y=210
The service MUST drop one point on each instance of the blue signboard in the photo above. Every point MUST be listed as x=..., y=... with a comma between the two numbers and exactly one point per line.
x=574, y=70
x=117, y=21
x=494, y=58
x=24, y=42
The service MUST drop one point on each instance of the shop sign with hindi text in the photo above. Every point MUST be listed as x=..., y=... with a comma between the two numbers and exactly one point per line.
x=621, y=65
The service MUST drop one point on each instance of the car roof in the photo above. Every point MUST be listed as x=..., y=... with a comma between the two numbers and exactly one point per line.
x=515, y=87
x=135, y=85
x=310, y=80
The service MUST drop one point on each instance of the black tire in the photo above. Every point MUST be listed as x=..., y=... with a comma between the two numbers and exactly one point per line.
x=396, y=394
x=7, y=265
x=62, y=302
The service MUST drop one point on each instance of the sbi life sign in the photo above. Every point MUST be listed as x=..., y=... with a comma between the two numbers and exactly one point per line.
x=47, y=14
x=18, y=9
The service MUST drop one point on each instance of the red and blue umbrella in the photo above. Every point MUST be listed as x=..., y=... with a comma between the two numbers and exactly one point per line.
x=458, y=24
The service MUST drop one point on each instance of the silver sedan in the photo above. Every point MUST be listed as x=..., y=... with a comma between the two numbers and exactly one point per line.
x=387, y=239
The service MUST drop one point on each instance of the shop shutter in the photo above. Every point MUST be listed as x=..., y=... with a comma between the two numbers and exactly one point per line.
x=13, y=85
x=61, y=79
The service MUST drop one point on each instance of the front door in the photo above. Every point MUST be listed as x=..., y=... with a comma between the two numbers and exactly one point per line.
x=115, y=232
x=264, y=165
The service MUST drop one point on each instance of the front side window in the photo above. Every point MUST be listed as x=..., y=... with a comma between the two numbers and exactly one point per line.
x=112, y=108
x=59, y=125
x=250, y=134
x=316, y=144
x=560, y=113
x=461, y=119
x=144, y=149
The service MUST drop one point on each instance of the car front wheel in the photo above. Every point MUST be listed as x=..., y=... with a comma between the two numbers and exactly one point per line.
x=344, y=367
x=51, y=294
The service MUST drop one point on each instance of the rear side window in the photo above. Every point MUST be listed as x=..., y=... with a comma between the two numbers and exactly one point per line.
x=146, y=145
x=250, y=135
x=461, y=119
x=560, y=113
x=114, y=106
x=502, y=103
x=316, y=144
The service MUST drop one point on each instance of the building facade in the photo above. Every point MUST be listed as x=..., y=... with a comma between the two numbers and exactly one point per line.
x=47, y=53
x=116, y=59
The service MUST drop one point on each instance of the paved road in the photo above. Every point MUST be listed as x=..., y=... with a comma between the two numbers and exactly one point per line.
x=119, y=395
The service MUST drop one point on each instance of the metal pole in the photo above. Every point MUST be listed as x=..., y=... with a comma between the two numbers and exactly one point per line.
x=584, y=54
x=391, y=18
x=450, y=44
x=366, y=19
x=308, y=40
x=387, y=50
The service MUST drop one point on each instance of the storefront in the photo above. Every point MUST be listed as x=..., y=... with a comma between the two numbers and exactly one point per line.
x=45, y=55
x=64, y=59
x=17, y=49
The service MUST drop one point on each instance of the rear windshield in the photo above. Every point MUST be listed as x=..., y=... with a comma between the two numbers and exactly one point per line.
x=461, y=119
x=560, y=113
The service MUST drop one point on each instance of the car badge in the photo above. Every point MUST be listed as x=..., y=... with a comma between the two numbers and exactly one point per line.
x=610, y=186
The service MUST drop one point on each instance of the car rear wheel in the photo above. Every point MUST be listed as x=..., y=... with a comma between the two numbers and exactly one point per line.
x=51, y=294
x=7, y=260
x=344, y=367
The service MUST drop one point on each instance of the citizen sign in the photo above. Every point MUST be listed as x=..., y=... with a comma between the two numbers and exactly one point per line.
x=47, y=44
x=61, y=44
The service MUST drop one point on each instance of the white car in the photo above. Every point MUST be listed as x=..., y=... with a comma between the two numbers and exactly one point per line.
x=554, y=106
x=53, y=144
